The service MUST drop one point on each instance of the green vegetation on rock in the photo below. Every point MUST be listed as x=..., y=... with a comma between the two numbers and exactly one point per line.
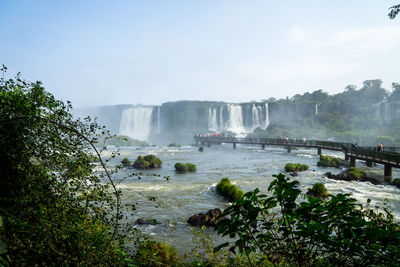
x=185, y=167
x=201, y=149
x=121, y=140
x=295, y=167
x=126, y=162
x=396, y=182
x=318, y=190
x=147, y=162
x=325, y=161
x=229, y=190
x=174, y=145
x=356, y=174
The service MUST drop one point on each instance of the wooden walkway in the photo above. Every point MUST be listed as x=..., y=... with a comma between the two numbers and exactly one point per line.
x=352, y=153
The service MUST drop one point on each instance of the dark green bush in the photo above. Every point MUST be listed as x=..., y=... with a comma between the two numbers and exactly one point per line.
x=325, y=161
x=397, y=182
x=147, y=162
x=201, y=149
x=228, y=190
x=295, y=167
x=335, y=232
x=126, y=162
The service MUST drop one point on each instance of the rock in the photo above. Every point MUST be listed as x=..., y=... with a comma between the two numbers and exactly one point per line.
x=294, y=174
x=208, y=219
x=147, y=221
x=344, y=176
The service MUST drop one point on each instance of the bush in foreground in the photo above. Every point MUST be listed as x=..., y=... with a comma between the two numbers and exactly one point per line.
x=152, y=253
x=147, y=162
x=335, y=232
x=295, y=167
x=185, y=167
x=325, y=161
x=228, y=190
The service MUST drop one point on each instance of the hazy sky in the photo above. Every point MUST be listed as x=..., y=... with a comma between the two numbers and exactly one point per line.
x=130, y=52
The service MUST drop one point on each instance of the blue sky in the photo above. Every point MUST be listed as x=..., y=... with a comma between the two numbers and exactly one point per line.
x=130, y=52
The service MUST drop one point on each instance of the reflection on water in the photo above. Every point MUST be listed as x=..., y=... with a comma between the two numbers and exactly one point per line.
x=248, y=167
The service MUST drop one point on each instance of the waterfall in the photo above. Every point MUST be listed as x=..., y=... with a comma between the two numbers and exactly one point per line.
x=212, y=119
x=235, y=121
x=255, y=117
x=159, y=120
x=221, y=120
x=266, y=116
x=136, y=122
x=316, y=109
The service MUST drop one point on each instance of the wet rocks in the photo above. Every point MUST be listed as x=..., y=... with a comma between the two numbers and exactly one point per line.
x=210, y=218
x=347, y=176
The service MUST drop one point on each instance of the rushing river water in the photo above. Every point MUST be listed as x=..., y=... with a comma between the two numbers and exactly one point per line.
x=183, y=195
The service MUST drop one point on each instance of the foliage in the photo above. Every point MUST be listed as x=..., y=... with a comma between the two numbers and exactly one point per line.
x=147, y=162
x=228, y=190
x=295, y=167
x=355, y=173
x=152, y=253
x=182, y=167
x=396, y=182
x=325, y=161
x=201, y=149
x=126, y=162
x=319, y=190
x=55, y=209
x=174, y=145
x=394, y=11
x=121, y=140
x=338, y=232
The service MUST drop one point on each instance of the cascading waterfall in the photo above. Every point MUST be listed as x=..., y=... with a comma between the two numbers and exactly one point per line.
x=159, y=120
x=136, y=122
x=221, y=120
x=212, y=119
x=255, y=117
x=235, y=122
x=316, y=109
x=266, y=116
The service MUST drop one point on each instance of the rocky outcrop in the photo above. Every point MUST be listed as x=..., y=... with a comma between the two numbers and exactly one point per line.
x=210, y=218
x=345, y=176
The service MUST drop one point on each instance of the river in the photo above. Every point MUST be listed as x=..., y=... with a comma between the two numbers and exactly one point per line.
x=179, y=196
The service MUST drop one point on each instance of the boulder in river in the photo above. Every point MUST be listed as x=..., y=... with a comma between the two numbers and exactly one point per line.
x=210, y=218
x=350, y=175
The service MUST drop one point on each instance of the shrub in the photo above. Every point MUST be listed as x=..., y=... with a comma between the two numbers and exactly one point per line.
x=182, y=167
x=126, y=162
x=147, y=162
x=201, y=149
x=295, y=167
x=325, y=161
x=396, y=182
x=228, y=190
x=336, y=232
x=152, y=253
x=174, y=145
x=356, y=174
x=319, y=190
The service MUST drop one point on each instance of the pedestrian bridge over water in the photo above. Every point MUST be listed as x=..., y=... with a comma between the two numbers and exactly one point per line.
x=388, y=159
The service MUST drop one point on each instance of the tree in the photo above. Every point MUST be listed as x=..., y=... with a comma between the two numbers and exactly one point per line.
x=54, y=208
x=316, y=232
x=394, y=10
